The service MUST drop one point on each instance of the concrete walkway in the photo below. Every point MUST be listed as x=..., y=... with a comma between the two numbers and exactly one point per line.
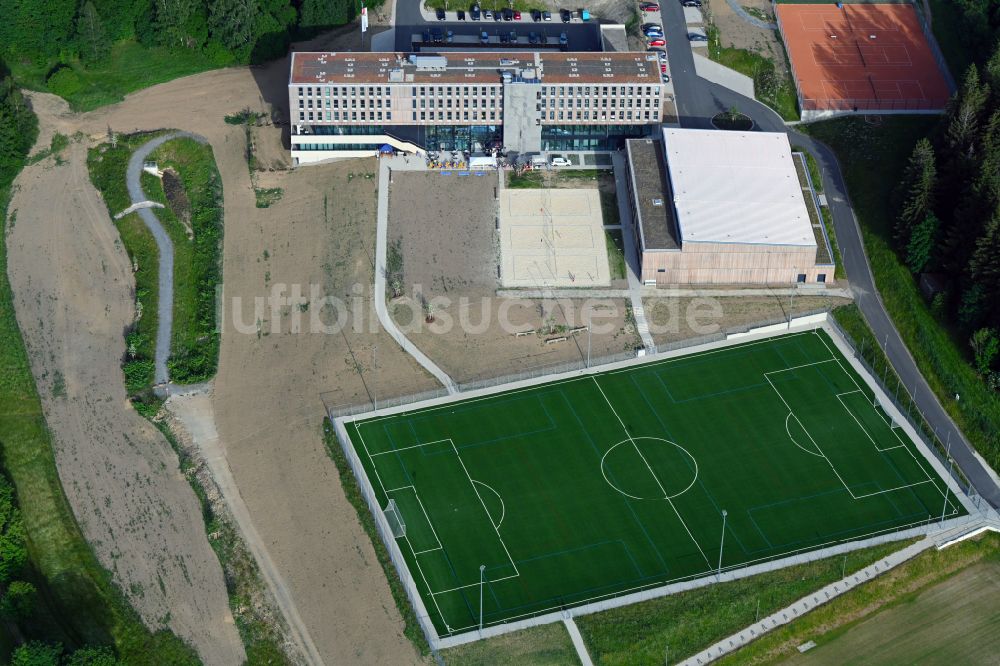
x=631, y=256
x=722, y=75
x=386, y=167
x=165, y=304
x=755, y=22
x=136, y=206
x=574, y=635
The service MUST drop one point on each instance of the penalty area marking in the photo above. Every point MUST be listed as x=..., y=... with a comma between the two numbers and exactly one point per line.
x=503, y=507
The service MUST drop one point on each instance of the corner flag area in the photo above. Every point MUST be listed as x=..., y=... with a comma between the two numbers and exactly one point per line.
x=861, y=57
x=532, y=500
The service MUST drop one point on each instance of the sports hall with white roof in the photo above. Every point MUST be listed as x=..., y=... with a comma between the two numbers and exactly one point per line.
x=722, y=207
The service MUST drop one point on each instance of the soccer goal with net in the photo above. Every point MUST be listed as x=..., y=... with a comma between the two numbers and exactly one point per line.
x=395, y=519
x=884, y=413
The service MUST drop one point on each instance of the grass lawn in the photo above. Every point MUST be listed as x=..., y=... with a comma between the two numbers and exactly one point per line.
x=616, y=252
x=197, y=261
x=784, y=100
x=130, y=67
x=197, y=267
x=691, y=621
x=956, y=621
x=107, y=167
x=908, y=587
x=873, y=158
x=547, y=645
x=612, y=483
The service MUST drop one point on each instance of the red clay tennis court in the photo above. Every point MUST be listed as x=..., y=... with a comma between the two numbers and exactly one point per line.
x=871, y=57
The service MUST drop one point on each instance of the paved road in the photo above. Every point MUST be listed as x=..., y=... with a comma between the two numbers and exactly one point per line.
x=698, y=100
x=165, y=304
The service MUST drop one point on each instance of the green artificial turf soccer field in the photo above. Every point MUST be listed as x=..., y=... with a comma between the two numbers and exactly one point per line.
x=603, y=484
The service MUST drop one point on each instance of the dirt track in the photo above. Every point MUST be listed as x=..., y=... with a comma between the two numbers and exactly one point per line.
x=268, y=390
x=73, y=286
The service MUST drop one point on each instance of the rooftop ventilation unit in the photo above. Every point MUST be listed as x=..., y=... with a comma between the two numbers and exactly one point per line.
x=425, y=63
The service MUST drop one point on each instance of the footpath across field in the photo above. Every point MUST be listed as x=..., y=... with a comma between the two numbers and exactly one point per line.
x=536, y=499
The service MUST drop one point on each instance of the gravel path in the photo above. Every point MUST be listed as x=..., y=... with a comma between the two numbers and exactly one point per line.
x=165, y=305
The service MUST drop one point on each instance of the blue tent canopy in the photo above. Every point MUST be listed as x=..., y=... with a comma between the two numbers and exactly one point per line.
x=386, y=148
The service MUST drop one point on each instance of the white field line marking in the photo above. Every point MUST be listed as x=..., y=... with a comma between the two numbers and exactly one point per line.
x=409, y=545
x=798, y=367
x=406, y=448
x=711, y=571
x=706, y=353
x=809, y=435
x=568, y=380
x=895, y=431
x=665, y=495
x=832, y=467
x=465, y=587
x=503, y=507
x=485, y=510
x=636, y=446
x=790, y=416
x=433, y=531
x=863, y=428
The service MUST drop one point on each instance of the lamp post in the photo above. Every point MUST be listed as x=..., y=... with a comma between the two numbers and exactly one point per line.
x=482, y=569
x=951, y=462
x=722, y=541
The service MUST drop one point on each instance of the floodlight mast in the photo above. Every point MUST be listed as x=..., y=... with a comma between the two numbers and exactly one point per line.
x=722, y=542
x=482, y=569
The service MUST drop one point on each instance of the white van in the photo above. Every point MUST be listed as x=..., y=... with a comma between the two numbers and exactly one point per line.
x=538, y=161
x=560, y=162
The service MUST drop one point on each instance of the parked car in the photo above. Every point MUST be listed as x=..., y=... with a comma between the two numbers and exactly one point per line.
x=691, y=3
x=584, y=15
x=437, y=35
x=657, y=42
x=504, y=39
x=440, y=14
x=536, y=15
x=449, y=36
x=533, y=38
x=697, y=37
x=487, y=15
x=565, y=15
x=484, y=37
x=561, y=162
x=498, y=16
x=662, y=55
x=546, y=15
x=517, y=15
x=425, y=37
x=508, y=14
x=653, y=33
x=563, y=41
x=658, y=51
x=513, y=37
x=475, y=13
x=460, y=14
x=649, y=7
x=647, y=26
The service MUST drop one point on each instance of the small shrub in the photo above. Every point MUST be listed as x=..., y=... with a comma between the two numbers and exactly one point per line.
x=64, y=81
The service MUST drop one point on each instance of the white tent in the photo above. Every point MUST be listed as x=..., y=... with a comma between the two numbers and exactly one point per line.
x=482, y=162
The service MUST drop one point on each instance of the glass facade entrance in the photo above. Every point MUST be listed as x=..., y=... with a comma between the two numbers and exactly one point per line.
x=589, y=137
